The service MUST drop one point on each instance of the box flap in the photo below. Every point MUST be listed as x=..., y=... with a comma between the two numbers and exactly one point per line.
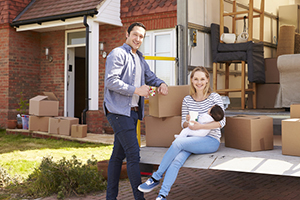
x=292, y=120
x=247, y=116
x=38, y=98
x=51, y=96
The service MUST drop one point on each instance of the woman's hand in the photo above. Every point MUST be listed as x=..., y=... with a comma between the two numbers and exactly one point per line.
x=187, y=118
x=196, y=125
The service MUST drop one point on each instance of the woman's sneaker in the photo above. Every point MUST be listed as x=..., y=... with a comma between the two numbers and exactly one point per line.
x=148, y=186
x=160, y=198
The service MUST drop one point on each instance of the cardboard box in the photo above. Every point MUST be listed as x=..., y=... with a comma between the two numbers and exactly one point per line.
x=266, y=95
x=290, y=136
x=169, y=105
x=44, y=105
x=250, y=133
x=295, y=111
x=37, y=123
x=271, y=70
x=79, y=130
x=160, y=131
x=61, y=125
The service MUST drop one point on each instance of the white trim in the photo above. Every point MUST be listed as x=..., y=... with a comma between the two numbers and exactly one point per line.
x=93, y=65
x=53, y=25
x=109, y=13
x=66, y=74
x=66, y=64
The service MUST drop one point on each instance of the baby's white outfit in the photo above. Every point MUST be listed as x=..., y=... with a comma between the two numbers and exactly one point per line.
x=202, y=119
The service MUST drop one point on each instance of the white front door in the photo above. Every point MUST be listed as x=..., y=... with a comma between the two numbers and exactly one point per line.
x=70, y=82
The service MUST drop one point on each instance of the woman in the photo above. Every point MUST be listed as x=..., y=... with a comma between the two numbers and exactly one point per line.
x=201, y=99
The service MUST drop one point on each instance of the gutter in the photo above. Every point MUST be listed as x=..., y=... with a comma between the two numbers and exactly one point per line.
x=62, y=17
x=87, y=31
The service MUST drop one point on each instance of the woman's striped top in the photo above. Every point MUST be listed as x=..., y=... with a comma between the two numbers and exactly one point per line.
x=189, y=104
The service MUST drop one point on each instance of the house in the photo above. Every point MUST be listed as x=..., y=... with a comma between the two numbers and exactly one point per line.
x=48, y=45
x=30, y=28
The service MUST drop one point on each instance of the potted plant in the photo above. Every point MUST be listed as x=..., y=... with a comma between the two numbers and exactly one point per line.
x=103, y=167
x=11, y=124
x=23, y=106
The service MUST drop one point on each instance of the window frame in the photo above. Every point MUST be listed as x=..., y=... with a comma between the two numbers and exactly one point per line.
x=152, y=36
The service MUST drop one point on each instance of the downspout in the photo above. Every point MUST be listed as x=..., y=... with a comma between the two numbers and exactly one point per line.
x=87, y=31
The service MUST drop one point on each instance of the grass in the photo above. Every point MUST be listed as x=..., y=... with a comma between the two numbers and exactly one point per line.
x=19, y=154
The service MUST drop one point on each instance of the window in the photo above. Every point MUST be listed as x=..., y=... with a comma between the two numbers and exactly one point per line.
x=76, y=38
x=161, y=43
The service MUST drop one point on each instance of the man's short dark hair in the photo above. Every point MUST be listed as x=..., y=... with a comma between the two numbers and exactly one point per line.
x=135, y=24
x=217, y=113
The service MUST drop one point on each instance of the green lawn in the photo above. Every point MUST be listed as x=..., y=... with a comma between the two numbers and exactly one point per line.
x=19, y=154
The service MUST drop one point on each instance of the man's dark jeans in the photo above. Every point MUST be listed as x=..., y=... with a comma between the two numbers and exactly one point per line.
x=125, y=145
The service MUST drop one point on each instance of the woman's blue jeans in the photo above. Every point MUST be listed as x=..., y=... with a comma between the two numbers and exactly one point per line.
x=177, y=154
x=125, y=145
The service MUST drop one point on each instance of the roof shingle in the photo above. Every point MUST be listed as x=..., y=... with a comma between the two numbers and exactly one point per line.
x=142, y=7
x=46, y=8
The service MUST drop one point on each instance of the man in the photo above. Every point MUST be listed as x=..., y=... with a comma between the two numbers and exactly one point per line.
x=127, y=81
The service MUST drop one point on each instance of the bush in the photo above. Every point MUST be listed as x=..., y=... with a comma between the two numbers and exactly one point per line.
x=64, y=178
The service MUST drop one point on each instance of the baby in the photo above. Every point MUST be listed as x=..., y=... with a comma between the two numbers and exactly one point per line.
x=216, y=113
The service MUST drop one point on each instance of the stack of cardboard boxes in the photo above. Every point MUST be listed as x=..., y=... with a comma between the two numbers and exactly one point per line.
x=164, y=120
x=290, y=132
x=43, y=116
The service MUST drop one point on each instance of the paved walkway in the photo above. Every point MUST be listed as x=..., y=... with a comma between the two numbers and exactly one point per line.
x=196, y=184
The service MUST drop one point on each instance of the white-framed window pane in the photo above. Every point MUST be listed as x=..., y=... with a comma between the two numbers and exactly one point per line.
x=76, y=38
x=145, y=47
x=162, y=43
x=163, y=70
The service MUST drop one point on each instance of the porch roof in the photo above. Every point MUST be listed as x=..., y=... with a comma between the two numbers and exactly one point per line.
x=39, y=11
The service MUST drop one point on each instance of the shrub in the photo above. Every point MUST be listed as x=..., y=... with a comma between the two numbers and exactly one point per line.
x=64, y=178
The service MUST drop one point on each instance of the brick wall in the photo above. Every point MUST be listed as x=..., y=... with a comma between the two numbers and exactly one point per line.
x=114, y=37
x=4, y=45
x=52, y=73
x=14, y=57
x=24, y=64
x=28, y=71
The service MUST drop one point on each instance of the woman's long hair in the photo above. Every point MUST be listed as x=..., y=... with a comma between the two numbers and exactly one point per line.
x=207, y=89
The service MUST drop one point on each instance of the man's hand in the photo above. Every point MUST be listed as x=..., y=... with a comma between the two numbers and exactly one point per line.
x=162, y=89
x=144, y=91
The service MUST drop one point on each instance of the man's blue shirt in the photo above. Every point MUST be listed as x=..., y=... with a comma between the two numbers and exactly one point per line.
x=119, y=81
